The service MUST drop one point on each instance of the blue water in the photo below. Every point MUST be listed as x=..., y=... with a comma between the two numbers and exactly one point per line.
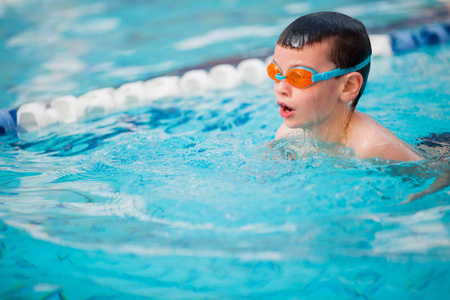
x=51, y=48
x=188, y=197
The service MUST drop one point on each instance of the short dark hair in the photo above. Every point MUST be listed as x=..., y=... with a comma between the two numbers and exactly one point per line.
x=348, y=38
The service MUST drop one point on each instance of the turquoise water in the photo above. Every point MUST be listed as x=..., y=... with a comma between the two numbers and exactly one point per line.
x=184, y=198
x=51, y=48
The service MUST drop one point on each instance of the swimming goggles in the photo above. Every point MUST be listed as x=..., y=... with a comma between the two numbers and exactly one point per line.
x=303, y=77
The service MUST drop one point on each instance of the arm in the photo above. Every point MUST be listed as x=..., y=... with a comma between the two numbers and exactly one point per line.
x=385, y=146
x=371, y=140
x=439, y=183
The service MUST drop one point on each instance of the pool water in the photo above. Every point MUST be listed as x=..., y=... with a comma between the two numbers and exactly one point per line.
x=51, y=48
x=190, y=198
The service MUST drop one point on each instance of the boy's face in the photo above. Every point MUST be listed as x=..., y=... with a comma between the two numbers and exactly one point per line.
x=314, y=105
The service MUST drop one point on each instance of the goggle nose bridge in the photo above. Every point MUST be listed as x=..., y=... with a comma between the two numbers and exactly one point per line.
x=279, y=76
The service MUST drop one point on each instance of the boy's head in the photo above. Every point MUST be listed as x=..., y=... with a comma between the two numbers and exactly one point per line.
x=347, y=37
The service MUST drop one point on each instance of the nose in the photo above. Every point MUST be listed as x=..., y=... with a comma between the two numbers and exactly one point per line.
x=283, y=88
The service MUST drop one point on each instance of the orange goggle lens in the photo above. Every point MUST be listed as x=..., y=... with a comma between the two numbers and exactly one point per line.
x=298, y=76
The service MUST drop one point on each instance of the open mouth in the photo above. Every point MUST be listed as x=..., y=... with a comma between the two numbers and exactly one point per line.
x=285, y=108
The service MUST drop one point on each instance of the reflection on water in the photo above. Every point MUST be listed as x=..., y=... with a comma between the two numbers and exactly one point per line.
x=178, y=181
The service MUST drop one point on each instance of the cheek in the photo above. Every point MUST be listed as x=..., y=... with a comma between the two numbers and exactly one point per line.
x=327, y=95
x=306, y=98
x=333, y=88
x=317, y=99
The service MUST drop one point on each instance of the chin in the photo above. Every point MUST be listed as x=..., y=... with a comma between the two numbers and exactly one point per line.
x=292, y=125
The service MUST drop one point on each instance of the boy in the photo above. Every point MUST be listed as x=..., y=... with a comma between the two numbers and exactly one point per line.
x=320, y=66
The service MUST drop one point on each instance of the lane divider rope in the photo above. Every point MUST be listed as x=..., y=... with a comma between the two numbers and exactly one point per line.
x=68, y=109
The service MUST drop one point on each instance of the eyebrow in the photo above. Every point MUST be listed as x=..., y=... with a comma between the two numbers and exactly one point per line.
x=294, y=66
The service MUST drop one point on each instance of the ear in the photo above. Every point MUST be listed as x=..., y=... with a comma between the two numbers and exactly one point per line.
x=352, y=84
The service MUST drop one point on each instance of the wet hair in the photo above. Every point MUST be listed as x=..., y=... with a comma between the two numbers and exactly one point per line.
x=348, y=39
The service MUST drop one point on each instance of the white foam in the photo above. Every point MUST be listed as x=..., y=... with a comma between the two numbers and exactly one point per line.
x=420, y=232
x=224, y=34
x=65, y=64
x=45, y=287
x=297, y=8
x=95, y=26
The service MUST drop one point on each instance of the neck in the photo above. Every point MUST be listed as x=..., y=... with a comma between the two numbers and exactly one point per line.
x=334, y=128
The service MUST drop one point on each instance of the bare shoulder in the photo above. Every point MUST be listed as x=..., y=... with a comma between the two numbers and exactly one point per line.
x=284, y=131
x=371, y=140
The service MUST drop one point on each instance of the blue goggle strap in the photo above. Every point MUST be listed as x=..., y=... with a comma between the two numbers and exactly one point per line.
x=339, y=72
